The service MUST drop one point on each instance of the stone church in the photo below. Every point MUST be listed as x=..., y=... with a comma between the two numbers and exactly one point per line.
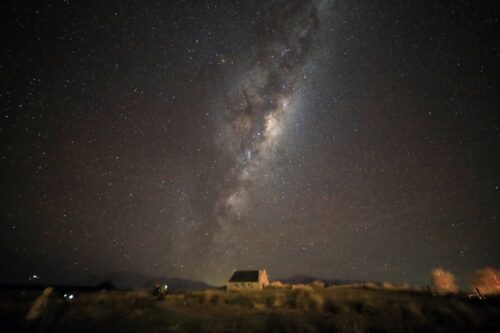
x=248, y=280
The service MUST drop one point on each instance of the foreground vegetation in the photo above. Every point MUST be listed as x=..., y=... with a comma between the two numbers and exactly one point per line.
x=273, y=310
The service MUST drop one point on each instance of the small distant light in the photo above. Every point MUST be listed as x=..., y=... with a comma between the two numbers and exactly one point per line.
x=71, y=296
x=166, y=286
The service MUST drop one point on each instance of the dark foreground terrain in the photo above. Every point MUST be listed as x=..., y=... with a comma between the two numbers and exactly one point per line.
x=303, y=310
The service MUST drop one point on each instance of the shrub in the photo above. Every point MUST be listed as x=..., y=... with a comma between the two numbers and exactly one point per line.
x=139, y=299
x=370, y=285
x=176, y=297
x=316, y=302
x=486, y=280
x=335, y=307
x=276, y=301
x=277, y=285
x=317, y=284
x=305, y=299
x=209, y=297
x=242, y=300
x=412, y=310
x=443, y=282
x=112, y=304
x=407, y=286
x=389, y=286
x=302, y=287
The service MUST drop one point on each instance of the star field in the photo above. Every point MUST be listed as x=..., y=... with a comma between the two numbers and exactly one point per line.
x=341, y=139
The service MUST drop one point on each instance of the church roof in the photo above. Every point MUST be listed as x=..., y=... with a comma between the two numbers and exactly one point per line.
x=245, y=276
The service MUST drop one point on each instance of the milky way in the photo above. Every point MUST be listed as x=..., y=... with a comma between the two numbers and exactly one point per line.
x=258, y=110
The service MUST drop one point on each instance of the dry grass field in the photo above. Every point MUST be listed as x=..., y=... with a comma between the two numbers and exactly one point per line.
x=340, y=309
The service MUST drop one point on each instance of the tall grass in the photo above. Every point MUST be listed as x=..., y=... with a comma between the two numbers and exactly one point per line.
x=106, y=304
x=307, y=300
x=381, y=309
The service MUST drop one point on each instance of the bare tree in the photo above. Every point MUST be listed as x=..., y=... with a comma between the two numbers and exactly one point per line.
x=486, y=281
x=443, y=282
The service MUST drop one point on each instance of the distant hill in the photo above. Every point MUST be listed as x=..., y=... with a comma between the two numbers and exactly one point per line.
x=122, y=280
x=132, y=280
x=306, y=279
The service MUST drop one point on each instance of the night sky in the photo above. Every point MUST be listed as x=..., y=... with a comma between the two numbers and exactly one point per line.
x=341, y=139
